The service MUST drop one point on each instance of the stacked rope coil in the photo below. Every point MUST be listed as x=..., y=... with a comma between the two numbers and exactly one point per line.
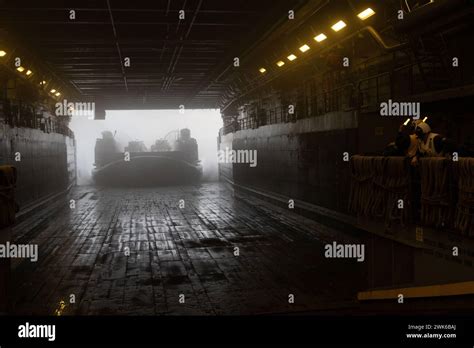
x=378, y=185
x=361, y=186
x=464, y=218
x=377, y=200
x=397, y=189
x=437, y=192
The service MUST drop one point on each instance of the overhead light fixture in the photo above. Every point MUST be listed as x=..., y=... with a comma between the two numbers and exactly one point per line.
x=29, y=72
x=3, y=53
x=53, y=91
x=366, y=14
x=320, y=37
x=262, y=70
x=338, y=26
x=20, y=69
x=57, y=94
x=43, y=82
x=304, y=48
x=291, y=57
x=280, y=63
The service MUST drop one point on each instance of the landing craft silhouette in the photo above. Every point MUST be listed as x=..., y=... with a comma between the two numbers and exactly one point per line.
x=165, y=164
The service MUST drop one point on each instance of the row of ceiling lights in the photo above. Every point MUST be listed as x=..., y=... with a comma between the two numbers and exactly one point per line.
x=321, y=37
x=28, y=73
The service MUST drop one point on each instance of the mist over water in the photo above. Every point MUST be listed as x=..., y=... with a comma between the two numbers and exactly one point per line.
x=147, y=126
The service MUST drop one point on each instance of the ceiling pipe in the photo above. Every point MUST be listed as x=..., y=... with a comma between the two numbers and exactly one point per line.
x=427, y=13
x=373, y=33
x=186, y=34
x=206, y=85
x=117, y=45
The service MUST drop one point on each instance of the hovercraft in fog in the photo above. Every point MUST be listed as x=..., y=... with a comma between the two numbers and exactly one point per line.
x=136, y=166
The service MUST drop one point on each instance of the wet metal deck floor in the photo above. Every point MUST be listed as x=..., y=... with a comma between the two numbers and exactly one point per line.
x=178, y=251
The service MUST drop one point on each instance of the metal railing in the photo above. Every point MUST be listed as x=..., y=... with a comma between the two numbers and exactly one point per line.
x=365, y=94
x=27, y=118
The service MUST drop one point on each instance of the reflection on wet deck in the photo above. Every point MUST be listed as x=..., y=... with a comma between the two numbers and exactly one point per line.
x=201, y=250
x=136, y=251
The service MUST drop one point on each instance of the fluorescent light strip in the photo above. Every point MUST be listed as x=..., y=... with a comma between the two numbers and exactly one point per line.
x=320, y=37
x=338, y=26
x=366, y=14
x=304, y=48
